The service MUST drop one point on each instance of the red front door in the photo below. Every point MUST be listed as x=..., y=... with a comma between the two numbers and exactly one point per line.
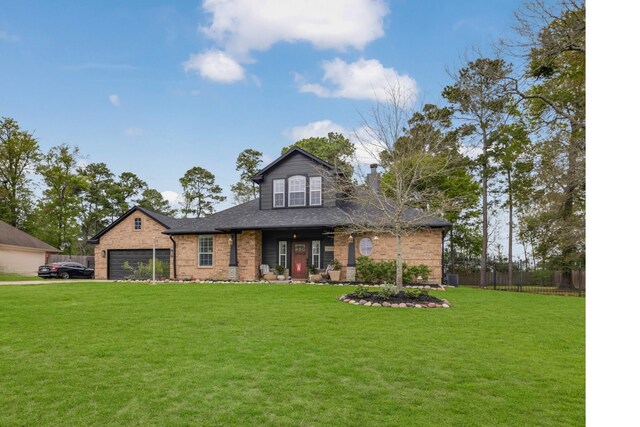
x=300, y=260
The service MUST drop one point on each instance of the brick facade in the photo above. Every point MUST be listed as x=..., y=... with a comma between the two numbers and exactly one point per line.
x=422, y=247
x=124, y=236
x=249, y=256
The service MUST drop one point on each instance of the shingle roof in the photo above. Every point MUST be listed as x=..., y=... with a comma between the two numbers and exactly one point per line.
x=9, y=235
x=248, y=216
x=165, y=221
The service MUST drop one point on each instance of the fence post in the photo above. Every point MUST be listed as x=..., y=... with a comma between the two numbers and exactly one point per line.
x=520, y=265
x=579, y=280
x=495, y=278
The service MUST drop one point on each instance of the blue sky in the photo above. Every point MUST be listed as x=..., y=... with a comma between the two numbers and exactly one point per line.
x=156, y=87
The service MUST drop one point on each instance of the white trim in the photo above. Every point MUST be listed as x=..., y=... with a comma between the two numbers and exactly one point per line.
x=312, y=190
x=315, y=244
x=280, y=254
x=273, y=185
x=303, y=191
x=200, y=237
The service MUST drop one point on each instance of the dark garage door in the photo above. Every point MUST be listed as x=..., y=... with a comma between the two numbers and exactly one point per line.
x=117, y=258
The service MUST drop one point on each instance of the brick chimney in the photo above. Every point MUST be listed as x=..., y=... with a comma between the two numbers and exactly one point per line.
x=373, y=178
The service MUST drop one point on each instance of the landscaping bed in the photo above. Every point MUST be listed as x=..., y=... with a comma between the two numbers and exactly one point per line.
x=388, y=296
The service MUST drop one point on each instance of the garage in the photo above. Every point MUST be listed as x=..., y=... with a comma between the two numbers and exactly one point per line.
x=117, y=258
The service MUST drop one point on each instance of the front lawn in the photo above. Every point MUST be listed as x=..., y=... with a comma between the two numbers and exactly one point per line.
x=204, y=354
x=14, y=277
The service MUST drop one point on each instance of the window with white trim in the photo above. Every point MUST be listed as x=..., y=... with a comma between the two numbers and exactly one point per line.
x=297, y=191
x=366, y=246
x=315, y=253
x=137, y=223
x=282, y=253
x=278, y=193
x=205, y=251
x=315, y=191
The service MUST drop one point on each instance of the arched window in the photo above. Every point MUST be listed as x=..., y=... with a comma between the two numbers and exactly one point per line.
x=297, y=190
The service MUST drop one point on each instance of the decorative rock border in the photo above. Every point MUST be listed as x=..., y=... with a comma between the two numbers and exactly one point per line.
x=345, y=298
x=277, y=282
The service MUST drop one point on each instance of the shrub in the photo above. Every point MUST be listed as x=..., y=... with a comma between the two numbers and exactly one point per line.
x=412, y=273
x=387, y=291
x=144, y=271
x=280, y=269
x=335, y=265
x=385, y=271
x=361, y=292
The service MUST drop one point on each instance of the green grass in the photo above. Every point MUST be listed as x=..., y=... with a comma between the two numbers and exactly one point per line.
x=14, y=277
x=194, y=354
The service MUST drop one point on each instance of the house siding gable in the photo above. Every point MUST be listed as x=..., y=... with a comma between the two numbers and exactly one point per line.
x=296, y=164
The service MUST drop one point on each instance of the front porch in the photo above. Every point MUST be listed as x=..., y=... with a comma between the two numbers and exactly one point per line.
x=299, y=250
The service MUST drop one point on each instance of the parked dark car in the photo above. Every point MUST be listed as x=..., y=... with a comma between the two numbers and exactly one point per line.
x=65, y=270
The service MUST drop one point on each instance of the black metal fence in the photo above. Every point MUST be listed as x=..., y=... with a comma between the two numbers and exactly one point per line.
x=539, y=281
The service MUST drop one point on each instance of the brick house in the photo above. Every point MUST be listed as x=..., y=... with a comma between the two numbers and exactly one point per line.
x=297, y=221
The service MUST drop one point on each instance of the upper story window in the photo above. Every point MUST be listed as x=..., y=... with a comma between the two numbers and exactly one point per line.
x=315, y=191
x=137, y=224
x=297, y=191
x=278, y=193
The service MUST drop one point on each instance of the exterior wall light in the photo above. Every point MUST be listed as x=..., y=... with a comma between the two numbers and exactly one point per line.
x=350, y=238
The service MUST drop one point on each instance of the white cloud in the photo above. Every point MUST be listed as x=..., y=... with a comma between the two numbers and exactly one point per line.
x=172, y=197
x=367, y=147
x=133, y=131
x=114, y=100
x=215, y=65
x=314, y=129
x=243, y=26
x=239, y=27
x=362, y=79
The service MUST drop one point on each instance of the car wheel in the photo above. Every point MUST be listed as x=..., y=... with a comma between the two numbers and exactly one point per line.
x=64, y=275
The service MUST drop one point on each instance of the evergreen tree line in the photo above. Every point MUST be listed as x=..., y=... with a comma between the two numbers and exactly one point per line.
x=78, y=200
x=509, y=134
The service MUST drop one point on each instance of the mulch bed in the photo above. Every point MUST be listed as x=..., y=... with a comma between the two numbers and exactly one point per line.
x=402, y=299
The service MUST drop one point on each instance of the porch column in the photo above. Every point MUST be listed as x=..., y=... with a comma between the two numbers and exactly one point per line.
x=351, y=260
x=233, y=256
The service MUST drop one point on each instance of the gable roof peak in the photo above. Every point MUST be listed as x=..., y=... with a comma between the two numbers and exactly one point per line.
x=257, y=178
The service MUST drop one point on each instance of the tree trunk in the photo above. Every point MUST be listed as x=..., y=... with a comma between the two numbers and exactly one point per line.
x=485, y=214
x=399, y=262
x=569, y=250
x=510, y=273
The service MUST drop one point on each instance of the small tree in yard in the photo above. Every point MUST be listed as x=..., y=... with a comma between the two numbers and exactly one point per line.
x=398, y=203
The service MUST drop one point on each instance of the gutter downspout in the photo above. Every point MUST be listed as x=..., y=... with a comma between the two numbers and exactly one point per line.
x=175, y=272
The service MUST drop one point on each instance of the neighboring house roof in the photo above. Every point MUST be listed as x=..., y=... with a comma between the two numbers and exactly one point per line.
x=165, y=221
x=257, y=178
x=9, y=235
x=248, y=216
